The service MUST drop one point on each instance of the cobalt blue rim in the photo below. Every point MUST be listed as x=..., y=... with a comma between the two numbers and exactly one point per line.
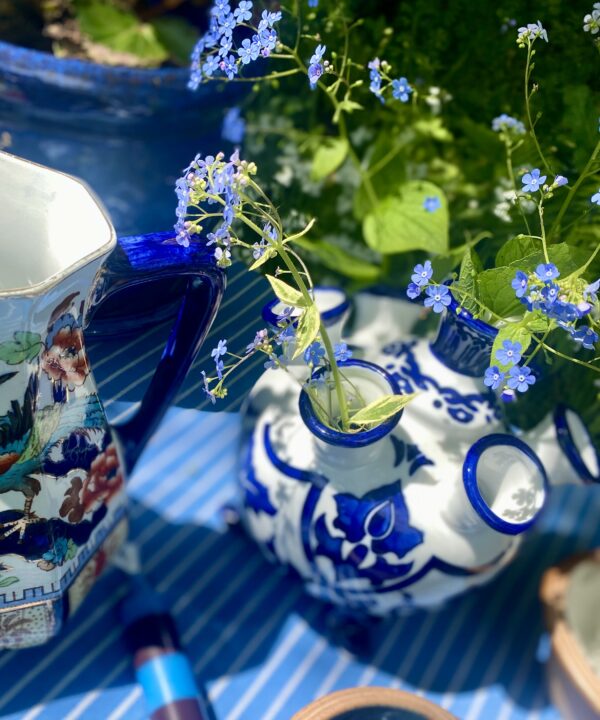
x=472, y=488
x=25, y=59
x=350, y=440
x=569, y=447
x=329, y=317
x=479, y=325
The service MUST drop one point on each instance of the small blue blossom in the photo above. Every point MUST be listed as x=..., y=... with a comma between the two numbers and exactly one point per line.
x=520, y=378
x=313, y=3
x=559, y=181
x=550, y=293
x=596, y=198
x=234, y=126
x=432, y=203
x=315, y=67
x=220, y=350
x=243, y=11
x=547, y=272
x=413, y=290
x=246, y=52
x=229, y=66
x=211, y=65
x=493, y=377
x=223, y=257
x=422, y=273
x=532, y=181
x=260, y=339
x=259, y=249
x=586, y=336
x=206, y=387
x=563, y=312
x=401, y=90
x=519, y=284
x=375, y=77
x=287, y=335
x=509, y=353
x=591, y=291
x=219, y=366
x=341, y=352
x=268, y=19
x=314, y=353
x=439, y=298
x=506, y=122
x=531, y=32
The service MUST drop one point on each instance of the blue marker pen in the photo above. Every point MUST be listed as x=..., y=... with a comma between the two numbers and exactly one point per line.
x=161, y=668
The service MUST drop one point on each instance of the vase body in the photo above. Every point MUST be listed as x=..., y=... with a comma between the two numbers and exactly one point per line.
x=389, y=524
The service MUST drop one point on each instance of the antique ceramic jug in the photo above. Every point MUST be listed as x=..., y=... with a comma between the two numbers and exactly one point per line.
x=414, y=511
x=62, y=467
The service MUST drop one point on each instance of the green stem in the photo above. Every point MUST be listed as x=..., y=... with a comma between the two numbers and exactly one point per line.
x=573, y=191
x=572, y=359
x=528, y=108
x=511, y=175
x=335, y=371
x=542, y=230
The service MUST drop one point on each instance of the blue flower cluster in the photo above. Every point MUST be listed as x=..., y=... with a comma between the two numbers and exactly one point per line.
x=516, y=377
x=530, y=33
x=216, y=54
x=216, y=181
x=506, y=123
x=438, y=296
x=539, y=291
x=401, y=90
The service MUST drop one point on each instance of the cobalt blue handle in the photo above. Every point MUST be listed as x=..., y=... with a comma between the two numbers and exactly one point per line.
x=146, y=260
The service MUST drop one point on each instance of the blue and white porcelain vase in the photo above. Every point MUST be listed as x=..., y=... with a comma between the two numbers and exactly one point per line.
x=421, y=508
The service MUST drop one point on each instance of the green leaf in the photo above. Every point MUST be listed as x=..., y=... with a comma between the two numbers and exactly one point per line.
x=496, y=292
x=400, y=222
x=286, y=293
x=119, y=30
x=308, y=329
x=328, y=158
x=381, y=409
x=6, y=581
x=177, y=36
x=567, y=258
x=515, y=332
x=26, y=346
x=346, y=105
x=335, y=258
x=470, y=268
x=267, y=255
x=517, y=248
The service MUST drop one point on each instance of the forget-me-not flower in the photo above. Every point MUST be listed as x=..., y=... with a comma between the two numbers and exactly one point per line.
x=520, y=378
x=493, y=377
x=401, y=90
x=422, y=273
x=432, y=203
x=596, y=198
x=509, y=353
x=547, y=272
x=532, y=181
x=519, y=284
x=438, y=298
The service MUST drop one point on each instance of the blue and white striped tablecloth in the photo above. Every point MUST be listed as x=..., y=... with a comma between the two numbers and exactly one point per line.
x=261, y=648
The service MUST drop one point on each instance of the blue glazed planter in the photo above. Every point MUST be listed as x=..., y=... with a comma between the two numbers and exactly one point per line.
x=127, y=132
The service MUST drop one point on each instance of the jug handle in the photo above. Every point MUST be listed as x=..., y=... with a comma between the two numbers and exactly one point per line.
x=143, y=259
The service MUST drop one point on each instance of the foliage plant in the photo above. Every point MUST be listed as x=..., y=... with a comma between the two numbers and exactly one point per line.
x=395, y=161
x=224, y=195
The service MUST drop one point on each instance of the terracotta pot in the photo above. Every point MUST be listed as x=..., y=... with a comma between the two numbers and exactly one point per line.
x=376, y=703
x=573, y=684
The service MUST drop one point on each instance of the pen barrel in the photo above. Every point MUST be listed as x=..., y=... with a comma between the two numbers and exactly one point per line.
x=168, y=684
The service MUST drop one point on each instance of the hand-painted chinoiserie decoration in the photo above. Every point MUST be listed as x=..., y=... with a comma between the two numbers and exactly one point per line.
x=420, y=508
x=62, y=467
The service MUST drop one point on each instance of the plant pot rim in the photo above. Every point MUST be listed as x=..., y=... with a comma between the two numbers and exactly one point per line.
x=350, y=440
x=565, y=646
x=481, y=326
x=343, y=701
x=18, y=56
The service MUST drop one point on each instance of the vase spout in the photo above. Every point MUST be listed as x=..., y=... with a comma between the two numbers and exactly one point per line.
x=565, y=446
x=503, y=490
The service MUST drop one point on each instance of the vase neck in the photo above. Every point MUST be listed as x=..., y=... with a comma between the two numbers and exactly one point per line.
x=463, y=343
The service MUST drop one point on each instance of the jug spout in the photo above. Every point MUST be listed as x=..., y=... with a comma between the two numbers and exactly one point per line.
x=565, y=446
x=502, y=490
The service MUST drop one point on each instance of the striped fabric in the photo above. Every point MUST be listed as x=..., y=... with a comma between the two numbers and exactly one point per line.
x=261, y=648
